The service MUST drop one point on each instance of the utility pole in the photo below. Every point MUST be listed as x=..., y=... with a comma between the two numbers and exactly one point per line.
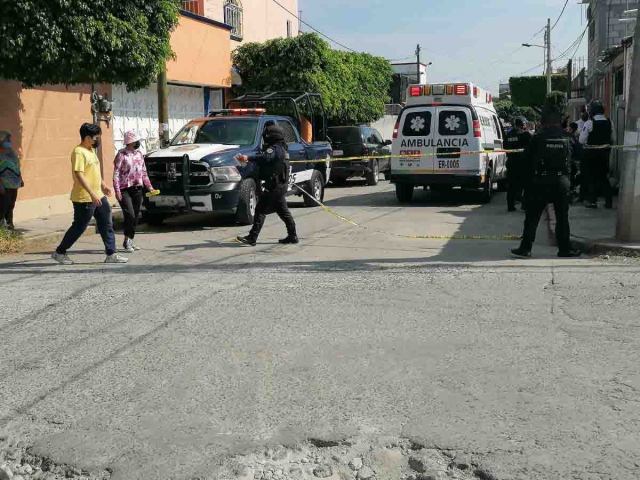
x=548, y=45
x=418, y=50
x=299, y=22
x=628, y=222
x=163, y=109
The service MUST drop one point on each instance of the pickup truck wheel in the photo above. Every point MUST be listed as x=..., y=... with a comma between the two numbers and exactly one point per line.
x=154, y=219
x=404, y=192
x=373, y=177
x=247, y=202
x=316, y=189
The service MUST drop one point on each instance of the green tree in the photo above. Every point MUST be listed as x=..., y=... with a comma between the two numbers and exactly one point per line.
x=354, y=86
x=532, y=91
x=86, y=41
x=507, y=110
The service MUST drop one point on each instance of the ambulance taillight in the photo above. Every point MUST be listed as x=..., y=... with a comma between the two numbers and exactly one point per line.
x=475, y=92
x=461, y=89
x=415, y=91
x=477, y=129
x=396, y=128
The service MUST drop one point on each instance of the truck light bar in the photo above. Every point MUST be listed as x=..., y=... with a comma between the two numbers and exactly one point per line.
x=237, y=112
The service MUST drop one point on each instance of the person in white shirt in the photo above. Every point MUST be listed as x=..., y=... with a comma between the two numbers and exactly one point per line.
x=597, y=131
x=584, y=117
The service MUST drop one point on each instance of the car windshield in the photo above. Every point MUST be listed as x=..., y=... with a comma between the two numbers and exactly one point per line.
x=345, y=135
x=220, y=131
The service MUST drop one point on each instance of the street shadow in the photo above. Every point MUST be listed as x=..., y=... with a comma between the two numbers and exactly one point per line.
x=415, y=265
x=421, y=198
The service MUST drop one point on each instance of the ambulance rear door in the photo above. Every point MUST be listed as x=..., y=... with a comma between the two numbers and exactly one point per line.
x=415, y=137
x=455, y=134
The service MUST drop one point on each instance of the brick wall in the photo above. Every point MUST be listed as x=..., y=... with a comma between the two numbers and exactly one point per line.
x=45, y=124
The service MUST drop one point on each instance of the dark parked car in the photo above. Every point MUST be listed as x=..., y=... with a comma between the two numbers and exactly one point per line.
x=358, y=142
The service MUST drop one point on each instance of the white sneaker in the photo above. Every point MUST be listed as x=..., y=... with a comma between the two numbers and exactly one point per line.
x=135, y=247
x=128, y=246
x=115, y=258
x=61, y=259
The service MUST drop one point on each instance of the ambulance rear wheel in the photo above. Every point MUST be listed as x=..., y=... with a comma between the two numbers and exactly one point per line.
x=404, y=192
x=487, y=188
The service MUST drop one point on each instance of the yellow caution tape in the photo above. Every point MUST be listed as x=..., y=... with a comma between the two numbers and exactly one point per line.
x=412, y=237
x=466, y=152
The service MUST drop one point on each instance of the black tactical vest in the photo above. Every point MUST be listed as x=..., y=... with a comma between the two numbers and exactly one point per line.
x=601, y=133
x=275, y=173
x=556, y=157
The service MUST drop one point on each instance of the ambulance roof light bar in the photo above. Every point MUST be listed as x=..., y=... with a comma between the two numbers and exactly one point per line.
x=455, y=89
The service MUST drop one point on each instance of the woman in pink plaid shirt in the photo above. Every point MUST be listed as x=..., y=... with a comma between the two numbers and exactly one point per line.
x=130, y=179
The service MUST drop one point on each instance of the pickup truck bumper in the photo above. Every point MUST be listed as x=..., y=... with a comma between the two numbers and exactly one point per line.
x=220, y=198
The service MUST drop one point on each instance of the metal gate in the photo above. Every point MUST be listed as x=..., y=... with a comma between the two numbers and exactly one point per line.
x=138, y=111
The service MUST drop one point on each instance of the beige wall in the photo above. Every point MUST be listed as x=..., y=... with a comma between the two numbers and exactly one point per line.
x=202, y=54
x=263, y=19
x=45, y=124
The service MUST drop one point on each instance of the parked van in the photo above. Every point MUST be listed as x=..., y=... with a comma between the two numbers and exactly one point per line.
x=444, y=121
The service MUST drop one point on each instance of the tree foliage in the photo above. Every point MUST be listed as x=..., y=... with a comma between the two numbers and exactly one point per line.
x=85, y=41
x=531, y=91
x=354, y=86
x=507, y=110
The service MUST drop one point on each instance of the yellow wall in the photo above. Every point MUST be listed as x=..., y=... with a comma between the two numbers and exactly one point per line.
x=202, y=54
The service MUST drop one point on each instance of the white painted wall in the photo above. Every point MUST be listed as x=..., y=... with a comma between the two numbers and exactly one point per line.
x=262, y=19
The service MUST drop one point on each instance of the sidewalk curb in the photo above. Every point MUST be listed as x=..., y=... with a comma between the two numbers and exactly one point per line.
x=607, y=246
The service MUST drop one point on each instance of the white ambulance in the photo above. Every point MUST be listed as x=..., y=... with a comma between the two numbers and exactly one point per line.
x=443, y=121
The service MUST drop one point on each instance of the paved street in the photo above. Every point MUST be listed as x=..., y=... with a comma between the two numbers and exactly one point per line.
x=201, y=348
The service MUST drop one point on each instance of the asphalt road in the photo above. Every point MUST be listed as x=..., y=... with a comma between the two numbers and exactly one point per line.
x=201, y=347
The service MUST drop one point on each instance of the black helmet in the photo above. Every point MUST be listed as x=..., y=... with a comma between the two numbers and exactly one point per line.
x=273, y=134
x=596, y=108
x=520, y=122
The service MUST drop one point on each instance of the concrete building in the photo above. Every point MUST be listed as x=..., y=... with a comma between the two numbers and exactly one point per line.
x=45, y=121
x=608, y=26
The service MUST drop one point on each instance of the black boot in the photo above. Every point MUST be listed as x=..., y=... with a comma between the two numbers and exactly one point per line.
x=569, y=254
x=248, y=240
x=290, y=240
x=521, y=252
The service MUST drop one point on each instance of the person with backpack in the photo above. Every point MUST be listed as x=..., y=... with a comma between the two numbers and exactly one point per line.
x=273, y=169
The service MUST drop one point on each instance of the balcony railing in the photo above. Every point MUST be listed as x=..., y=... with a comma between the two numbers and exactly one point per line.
x=193, y=6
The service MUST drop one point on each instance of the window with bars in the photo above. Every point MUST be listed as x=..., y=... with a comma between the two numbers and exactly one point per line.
x=233, y=18
x=193, y=6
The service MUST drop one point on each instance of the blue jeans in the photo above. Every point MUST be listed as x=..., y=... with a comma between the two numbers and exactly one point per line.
x=82, y=213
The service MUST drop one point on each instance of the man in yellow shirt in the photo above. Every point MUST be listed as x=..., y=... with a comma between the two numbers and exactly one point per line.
x=89, y=197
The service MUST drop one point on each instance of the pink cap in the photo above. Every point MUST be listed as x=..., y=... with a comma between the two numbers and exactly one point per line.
x=131, y=137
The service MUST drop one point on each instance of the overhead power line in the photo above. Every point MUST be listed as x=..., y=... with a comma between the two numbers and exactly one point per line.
x=561, y=13
x=313, y=28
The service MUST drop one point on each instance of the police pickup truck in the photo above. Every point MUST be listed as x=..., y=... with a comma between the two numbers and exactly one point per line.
x=198, y=172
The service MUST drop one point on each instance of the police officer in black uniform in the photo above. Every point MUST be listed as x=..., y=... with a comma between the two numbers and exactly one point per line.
x=548, y=164
x=273, y=168
x=518, y=138
x=598, y=132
